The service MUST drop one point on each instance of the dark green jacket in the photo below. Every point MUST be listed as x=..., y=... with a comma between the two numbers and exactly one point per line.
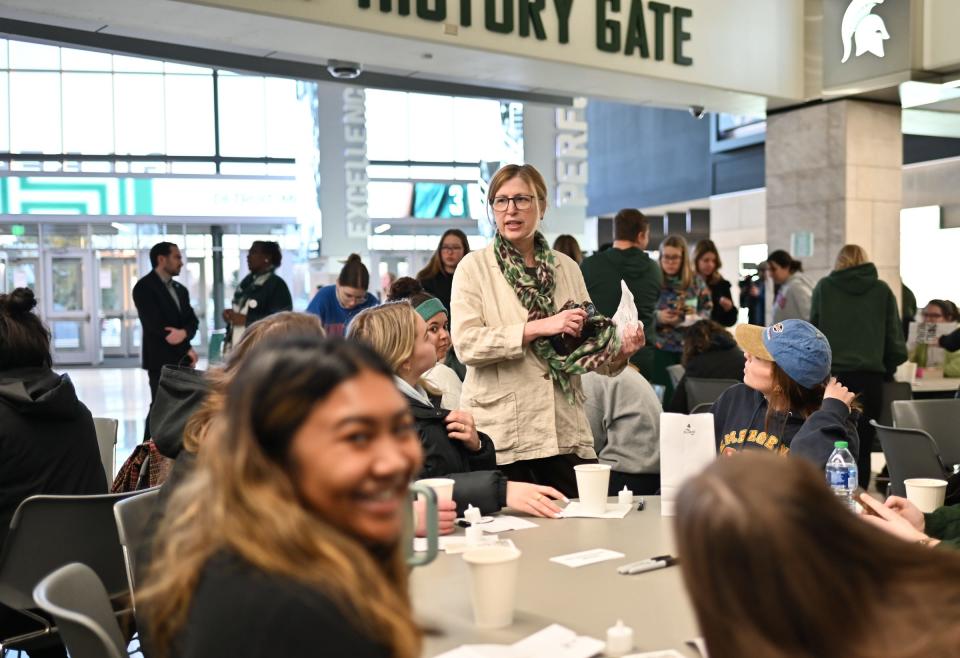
x=603, y=271
x=944, y=524
x=858, y=314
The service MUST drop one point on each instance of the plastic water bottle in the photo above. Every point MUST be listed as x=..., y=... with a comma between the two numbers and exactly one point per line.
x=842, y=474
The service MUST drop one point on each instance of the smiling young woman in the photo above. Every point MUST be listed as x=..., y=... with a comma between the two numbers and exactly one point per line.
x=290, y=527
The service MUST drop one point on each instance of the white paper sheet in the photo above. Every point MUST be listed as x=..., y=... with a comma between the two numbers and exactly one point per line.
x=554, y=641
x=583, y=558
x=506, y=523
x=614, y=511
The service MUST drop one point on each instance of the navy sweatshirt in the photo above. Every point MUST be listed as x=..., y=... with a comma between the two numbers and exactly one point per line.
x=740, y=413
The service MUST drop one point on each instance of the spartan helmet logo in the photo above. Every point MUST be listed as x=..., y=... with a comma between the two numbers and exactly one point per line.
x=866, y=28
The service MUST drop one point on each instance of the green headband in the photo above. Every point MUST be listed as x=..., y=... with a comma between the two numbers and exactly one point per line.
x=429, y=308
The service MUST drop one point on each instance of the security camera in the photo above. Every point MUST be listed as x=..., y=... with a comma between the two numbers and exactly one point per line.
x=697, y=111
x=344, y=70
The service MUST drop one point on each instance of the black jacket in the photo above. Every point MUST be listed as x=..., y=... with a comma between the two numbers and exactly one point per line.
x=717, y=290
x=439, y=285
x=724, y=360
x=738, y=420
x=272, y=296
x=239, y=611
x=48, y=444
x=157, y=310
x=478, y=482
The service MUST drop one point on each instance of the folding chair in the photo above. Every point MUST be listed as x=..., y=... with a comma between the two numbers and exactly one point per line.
x=938, y=418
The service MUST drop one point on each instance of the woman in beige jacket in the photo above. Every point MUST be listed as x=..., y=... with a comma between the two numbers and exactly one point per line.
x=521, y=327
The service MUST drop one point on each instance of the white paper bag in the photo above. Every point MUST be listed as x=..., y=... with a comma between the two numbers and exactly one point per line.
x=626, y=318
x=687, y=446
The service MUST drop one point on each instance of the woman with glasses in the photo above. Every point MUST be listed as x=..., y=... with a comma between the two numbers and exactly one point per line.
x=684, y=299
x=936, y=312
x=437, y=277
x=524, y=326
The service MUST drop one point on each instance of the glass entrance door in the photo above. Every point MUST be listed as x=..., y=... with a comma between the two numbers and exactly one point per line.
x=70, y=306
x=119, y=327
x=19, y=272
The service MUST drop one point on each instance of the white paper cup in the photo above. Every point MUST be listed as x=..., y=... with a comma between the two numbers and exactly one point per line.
x=593, y=480
x=926, y=493
x=493, y=584
x=443, y=487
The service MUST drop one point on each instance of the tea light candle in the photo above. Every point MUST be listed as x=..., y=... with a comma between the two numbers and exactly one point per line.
x=619, y=639
x=474, y=535
x=472, y=514
x=625, y=496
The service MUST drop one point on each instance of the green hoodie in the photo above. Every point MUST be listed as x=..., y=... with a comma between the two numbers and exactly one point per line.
x=603, y=272
x=858, y=314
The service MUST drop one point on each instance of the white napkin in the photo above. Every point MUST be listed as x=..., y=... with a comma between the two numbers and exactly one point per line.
x=554, y=641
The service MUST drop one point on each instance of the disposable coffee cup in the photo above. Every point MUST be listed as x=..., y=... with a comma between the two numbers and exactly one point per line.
x=926, y=493
x=593, y=481
x=493, y=584
x=443, y=487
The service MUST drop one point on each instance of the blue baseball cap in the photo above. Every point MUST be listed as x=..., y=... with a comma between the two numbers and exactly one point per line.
x=798, y=347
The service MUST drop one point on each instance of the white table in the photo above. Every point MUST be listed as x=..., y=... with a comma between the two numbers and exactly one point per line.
x=587, y=600
x=935, y=384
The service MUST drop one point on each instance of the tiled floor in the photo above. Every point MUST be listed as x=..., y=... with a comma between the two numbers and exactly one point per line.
x=121, y=393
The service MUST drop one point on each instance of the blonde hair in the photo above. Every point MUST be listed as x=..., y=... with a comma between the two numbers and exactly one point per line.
x=686, y=270
x=390, y=329
x=528, y=174
x=851, y=255
x=285, y=323
x=242, y=499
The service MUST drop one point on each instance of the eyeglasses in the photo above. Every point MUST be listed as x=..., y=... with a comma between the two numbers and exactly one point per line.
x=451, y=247
x=520, y=202
x=932, y=316
x=672, y=257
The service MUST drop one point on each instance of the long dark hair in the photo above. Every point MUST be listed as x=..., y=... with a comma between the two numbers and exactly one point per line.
x=354, y=273
x=242, y=499
x=703, y=248
x=762, y=539
x=785, y=260
x=24, y=339
x=435, y=265
x=699, y=338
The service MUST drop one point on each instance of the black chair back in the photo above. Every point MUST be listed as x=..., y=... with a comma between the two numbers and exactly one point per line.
x=910, y=454
x=705, y=390
x=938, y=418
x=47, y=532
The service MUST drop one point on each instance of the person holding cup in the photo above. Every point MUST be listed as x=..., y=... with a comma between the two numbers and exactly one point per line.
x=522, y=327
x=684, y=299
x=452, y=445
x=902, y=518
x=290, y=528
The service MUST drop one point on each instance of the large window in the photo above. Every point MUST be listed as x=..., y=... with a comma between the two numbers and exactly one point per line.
x=425, y=155
x=141, y=115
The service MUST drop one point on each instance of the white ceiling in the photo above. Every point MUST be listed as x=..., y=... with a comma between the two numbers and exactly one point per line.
x=264, y=36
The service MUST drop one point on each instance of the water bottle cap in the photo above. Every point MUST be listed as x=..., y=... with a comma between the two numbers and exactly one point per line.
x=840, y=444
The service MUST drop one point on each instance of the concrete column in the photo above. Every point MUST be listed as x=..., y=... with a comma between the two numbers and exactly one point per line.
x=835, y=170
x=342, y=187
x=554, y=141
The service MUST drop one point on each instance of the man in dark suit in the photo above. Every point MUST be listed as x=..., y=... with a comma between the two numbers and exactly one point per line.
x=168, y=320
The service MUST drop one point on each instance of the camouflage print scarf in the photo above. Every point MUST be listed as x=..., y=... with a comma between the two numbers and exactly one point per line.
x=536, y=295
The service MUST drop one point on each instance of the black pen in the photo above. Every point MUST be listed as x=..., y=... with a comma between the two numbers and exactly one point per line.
x=658, y=562
x=641, y=505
